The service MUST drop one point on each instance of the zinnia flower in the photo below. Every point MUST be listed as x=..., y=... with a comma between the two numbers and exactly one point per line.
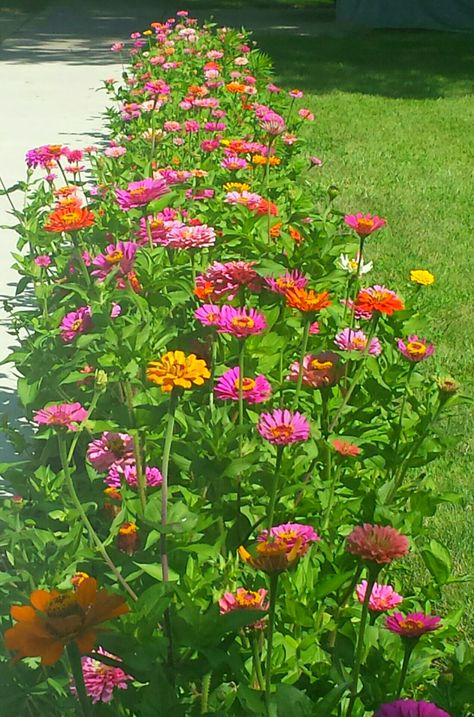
x=74, y=323
x=378, y=298
x=319, y=370
x=177, y=369
x=100, y=679
x=282, y=427
x=127, y=472
x=415, y=349
x=290, y=280
x=421, y=277
x=350, y=265
x=344, y=448
x=43, y=260
x=352, y=340
x=254, y=390
x=208, y=315
x=118, y=257
x=272, y=557
x=198, y=236
x=410, y=708
x=382, y=597
x=307, y=299
x=138, y=194
x=241, y=322
x=227, y=278
x=413, y=625
x=364, y=224
x=244, y=599
x=68, y=219
x=56, y=618
x=127, y=538
x=290, y=534
x=63, y=415
x=379, y=544
x=111, y=449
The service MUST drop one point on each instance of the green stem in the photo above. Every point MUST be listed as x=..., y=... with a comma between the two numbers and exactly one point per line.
x=81, y=426
x=409, y=647
x=83, y=703
x=87, y=524
x=148, y=230
x=257, y=661
x=402, y=408
x=271, y=629
x=332, y=480
x=304, y=345
x=373, y=572
x=206, y=686
x=135, y=433
x=274, y=491
x=241, y=420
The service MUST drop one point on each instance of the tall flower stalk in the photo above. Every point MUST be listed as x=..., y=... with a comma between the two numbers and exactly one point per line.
x=304, y=346
x=270, y=632
x=274, y=489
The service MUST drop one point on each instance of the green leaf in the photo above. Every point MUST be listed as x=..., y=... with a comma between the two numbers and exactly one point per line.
x=291, y=701
x=330, y=583
x=155, y=571
x=325, y=706
x=438, y=561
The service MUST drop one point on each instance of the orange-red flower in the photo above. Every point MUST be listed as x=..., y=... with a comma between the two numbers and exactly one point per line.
x=68, y=219
x=378, y=298
x=307, y=299
x=54, y=619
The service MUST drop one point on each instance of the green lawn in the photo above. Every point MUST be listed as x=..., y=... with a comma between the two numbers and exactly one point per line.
x=394, y=126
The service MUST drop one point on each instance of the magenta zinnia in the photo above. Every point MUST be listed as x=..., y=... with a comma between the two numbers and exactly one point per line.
x=118, y=257
x=364, y=224
x=291, y=534
x=74, y=323
x=410, y=708
x=138, y=194
x=254, y=390
x=377, y=543
x=244, y=599
x=352, y=340
x=290, y=280
x=382, y=597
x=100, y=679
x=282, y=427
x=412, y=625
x=415, y=348
x=227, y=278
x=241, y=322
x=111, y=449
x=208, y=314
x=61, y=415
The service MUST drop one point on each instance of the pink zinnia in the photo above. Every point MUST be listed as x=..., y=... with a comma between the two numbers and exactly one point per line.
x=290, y=280
x=282, y=427
x=290, y=534
x=100, y=679
x=319, y=370
x=208, y=315
x=379, y=544
x=415, y=348
x=227, y=278
x=43, y=260
x=352, y=340
x=241, y=322
x=233, y=162
x=111, y=449
x=127, y=472
x=190, y=237
x=244, y=599
x=412, y=625
x=140, y=193
x=254, y=390
x=382, y=597
x=115, y=152
x=410, y=708
x=64, y=415
x=364, y=224
x=120, y=256
x=74, y=323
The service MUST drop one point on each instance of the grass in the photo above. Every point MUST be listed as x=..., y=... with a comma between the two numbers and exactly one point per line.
x=393, y=126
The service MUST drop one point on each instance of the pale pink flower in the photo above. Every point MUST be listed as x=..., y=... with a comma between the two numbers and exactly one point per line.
x=182, y=236
x=352, y=340
x=115, y=151
x=282, y=427
x=254, y=390
x=415, y=349
x=100, y=679
x=306, y=114
x=241, y=322
x=63, y=415
x=117, y=46
x=234, y=162
x=296, y=94
x=74, y=323
x=111, y=449
x=382, y=597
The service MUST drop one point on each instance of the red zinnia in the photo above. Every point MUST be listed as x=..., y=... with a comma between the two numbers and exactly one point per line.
x=378, y=298
x=377, y=543
x=68, y=219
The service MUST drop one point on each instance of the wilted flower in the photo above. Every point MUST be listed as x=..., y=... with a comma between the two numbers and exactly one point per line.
x=127, y=538
x=176, y=369
x=421, y=277
x=62, y=415
x=364, y=224
x=241, y=322
x=415, y=348
x=379, y=544
x=413, y=625
x=254, y=390
x=448, y=385
x=382, y=597
x=319, y=370
x=282, y=427
x=100, y=679
x=410, y=708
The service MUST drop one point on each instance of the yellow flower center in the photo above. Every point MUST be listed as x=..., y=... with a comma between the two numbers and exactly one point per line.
x=321, y=365
x=243, y=322
x=352, y=264
x=248, y=599
x=128, y=529
x=282, y=431
x=76, y=325
x=411, y=624
x=359, y=343
x=63, y=605
x=70, y=217
x=115, y=257
x=137, y=191
x=365, y=223
x=416, y=348
x=247, y=384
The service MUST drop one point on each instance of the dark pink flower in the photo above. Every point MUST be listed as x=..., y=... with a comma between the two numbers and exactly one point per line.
x=208, y=314
x=100, y=679
x=410, y=708
x=62, y=415
x=244, y=599
x=379, y=544
x=415, y=349
x=74, y=323
x=282, y=427
x=290, y=534
x=290, y=280
x=364, y=224
x=138, y=194
x=127, y=472
x=241, y=322
x=119, y=257
x=254, y=390
x=111, y=449
x=413, y=625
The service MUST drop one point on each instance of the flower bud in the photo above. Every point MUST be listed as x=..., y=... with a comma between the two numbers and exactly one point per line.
x=101, y=379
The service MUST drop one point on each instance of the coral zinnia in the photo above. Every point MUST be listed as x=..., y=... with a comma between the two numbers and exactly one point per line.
x=254, y=390
x=415, y=349
x=177, y=369
x=378, y=298
x=68, y=219
x=364, y=224
x=377, y=543
x=382, y=597
x=344, y=448
x=282, y=427
x=307, y=299
x=54, y=619
x=413, y=625
x=410, y=708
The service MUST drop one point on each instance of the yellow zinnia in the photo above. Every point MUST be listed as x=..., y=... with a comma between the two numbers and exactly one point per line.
x=422, y=277
x=177, y=369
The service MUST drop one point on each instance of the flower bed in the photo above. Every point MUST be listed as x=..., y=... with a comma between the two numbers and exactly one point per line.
x=232, y=421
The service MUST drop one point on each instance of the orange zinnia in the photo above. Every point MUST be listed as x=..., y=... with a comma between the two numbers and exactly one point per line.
x=378, y=298
x=307, y=299
x=56, y=618
x=67, y=219
x=177, y=369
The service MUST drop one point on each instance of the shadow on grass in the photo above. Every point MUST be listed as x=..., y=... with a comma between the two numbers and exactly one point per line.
x=391, y=63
